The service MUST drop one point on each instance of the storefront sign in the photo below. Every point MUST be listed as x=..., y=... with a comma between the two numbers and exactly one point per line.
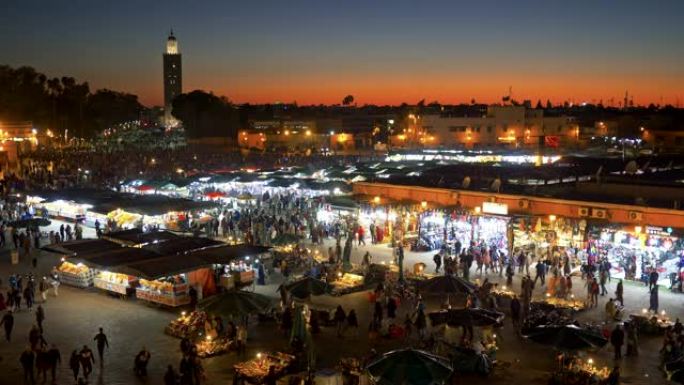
x=495, y=208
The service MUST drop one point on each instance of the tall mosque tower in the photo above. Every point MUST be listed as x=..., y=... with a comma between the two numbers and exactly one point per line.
x=173, y=78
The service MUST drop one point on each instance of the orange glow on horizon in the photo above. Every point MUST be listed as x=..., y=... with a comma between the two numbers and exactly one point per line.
x=394, y=89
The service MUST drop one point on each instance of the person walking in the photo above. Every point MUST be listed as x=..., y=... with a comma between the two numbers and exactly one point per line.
x=353, y=322
x=617, y=339
x=603, y=278
x=653, y=301
x=8, y=323
x=340, y=317
x=28, y=297
x=75, y=364
x=619, y=291
x=87, y=359
x=170, y=377
x=653, y=279
x=42, y=364
x=27, y=360
x=515, y=313
x=438, y=262
x=540, y=270
x=54, y=359
x=140, y=362
x=40, y=317
x=102, y=342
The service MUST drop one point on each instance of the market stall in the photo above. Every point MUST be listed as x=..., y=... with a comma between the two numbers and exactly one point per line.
x=545, y=235
x=256, y=370
x=347, y=283
x=576, y=371
x=170, y=291
x=114, y=282
x=188, y=325
x=634, y=252
x=78, y=275
x=651, y=323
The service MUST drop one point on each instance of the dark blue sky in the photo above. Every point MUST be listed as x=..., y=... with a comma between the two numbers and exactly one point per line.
x=379, y=51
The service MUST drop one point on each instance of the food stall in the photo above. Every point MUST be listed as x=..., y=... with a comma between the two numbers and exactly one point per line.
x=240, y=273
x=347, y=283
x=187, y=325
x=651, y=323
x=210, y=347
x=576, y=371
x=255, y=371
x=114, y=282
x=170, y=291
x=78, y=275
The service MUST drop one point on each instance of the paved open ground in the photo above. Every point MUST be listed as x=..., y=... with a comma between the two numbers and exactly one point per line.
x=72, y=320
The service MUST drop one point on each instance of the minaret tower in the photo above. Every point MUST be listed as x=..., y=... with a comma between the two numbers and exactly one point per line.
x=173, y=78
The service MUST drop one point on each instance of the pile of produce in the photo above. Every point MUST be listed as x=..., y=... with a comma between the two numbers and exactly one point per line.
x=189, y=326
x=210, y=347
x=73, y=269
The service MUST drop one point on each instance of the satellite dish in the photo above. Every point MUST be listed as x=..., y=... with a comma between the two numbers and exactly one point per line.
x=632, y=167
x=496, y=185
x=466, y=182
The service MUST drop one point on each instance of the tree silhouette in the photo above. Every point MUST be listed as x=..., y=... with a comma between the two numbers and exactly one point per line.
x=348, y=100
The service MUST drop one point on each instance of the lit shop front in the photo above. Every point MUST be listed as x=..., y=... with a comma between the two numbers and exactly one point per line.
x=635, y=251
x=456, y=229
x=543, y=235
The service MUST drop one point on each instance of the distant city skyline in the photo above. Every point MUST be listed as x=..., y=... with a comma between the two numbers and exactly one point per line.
x=381, y=52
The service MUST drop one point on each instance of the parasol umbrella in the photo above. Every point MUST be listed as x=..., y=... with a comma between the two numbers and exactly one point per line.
x=566, y=337
x=409, y=367
x=298, y=331
x=30, y=222
x=466, y=317
x=446, y=285
x=236, y=304
x=306, y=287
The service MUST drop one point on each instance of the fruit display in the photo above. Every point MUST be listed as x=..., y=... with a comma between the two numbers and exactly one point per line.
x=256, y=370
x=73, y=269
x=190, y=325
x=347, y=283
x=123, y=218
x=114, y=282
x=210, y=347
x=167, y=287
x=78, y=275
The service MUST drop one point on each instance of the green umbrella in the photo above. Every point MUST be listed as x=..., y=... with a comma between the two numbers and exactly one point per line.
x=306, y=287
x=236, y=304
x=298, y=325
x=410, y=367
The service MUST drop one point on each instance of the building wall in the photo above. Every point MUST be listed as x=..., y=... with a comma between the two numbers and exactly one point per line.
x=526, y=205
x=507, y=126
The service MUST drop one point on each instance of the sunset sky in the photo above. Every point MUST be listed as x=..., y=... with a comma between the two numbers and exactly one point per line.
x=383, y=52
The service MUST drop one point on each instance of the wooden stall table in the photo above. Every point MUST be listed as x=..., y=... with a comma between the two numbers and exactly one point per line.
x=255, y=370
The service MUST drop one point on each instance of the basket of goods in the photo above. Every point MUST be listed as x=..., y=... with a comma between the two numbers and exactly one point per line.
x=209, y=347
x=190, y=325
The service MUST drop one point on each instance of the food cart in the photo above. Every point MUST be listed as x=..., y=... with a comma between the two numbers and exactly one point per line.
x=169, y=291
x=114, y=282
x=347, y=283
x=187, y=325
x=78, y=275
